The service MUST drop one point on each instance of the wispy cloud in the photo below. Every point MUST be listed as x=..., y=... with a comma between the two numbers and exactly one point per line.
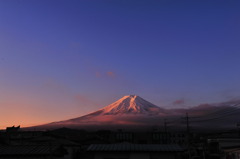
x=108, y=74
x=111, y=74
x=179, y=102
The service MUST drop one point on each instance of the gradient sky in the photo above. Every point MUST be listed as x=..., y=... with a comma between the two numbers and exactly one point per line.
x=61, y=59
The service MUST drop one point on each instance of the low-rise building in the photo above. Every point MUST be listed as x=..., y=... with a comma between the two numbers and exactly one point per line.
x=134, y=151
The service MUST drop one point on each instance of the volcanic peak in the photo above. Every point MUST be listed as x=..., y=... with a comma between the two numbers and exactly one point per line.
x=130, y=104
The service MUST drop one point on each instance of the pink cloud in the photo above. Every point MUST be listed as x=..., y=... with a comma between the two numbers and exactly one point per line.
x=111, y=74
x=179, y=101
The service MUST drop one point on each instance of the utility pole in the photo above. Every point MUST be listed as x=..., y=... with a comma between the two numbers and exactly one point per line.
x=165, y=125
x=166, y=133
x=188, y=133
x=188, y=129
x=187, y=124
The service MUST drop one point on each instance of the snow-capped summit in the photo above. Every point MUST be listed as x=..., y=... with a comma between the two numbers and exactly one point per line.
x=131, y=104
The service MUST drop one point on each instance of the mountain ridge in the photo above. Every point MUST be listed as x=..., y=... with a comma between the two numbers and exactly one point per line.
x=135, y=111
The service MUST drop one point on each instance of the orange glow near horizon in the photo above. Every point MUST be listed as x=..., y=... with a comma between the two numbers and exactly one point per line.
x=21, y=109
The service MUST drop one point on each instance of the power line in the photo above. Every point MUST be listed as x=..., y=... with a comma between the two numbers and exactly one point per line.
x=216, y=115
x=216, y=118
x=220, y=112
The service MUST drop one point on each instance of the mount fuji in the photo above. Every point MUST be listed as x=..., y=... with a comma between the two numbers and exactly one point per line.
x=127, y=111
x=133, y=111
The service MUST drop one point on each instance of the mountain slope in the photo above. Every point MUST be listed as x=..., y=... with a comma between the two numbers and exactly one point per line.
x=130, y=106
x=129, y=110
x=134, y=111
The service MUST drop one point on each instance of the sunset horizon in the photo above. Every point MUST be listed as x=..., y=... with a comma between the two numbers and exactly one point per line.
x=64, y=59
x=119, y=79
x=133, y=110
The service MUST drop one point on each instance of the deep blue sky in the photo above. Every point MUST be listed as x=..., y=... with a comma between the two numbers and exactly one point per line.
x=65, y=58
